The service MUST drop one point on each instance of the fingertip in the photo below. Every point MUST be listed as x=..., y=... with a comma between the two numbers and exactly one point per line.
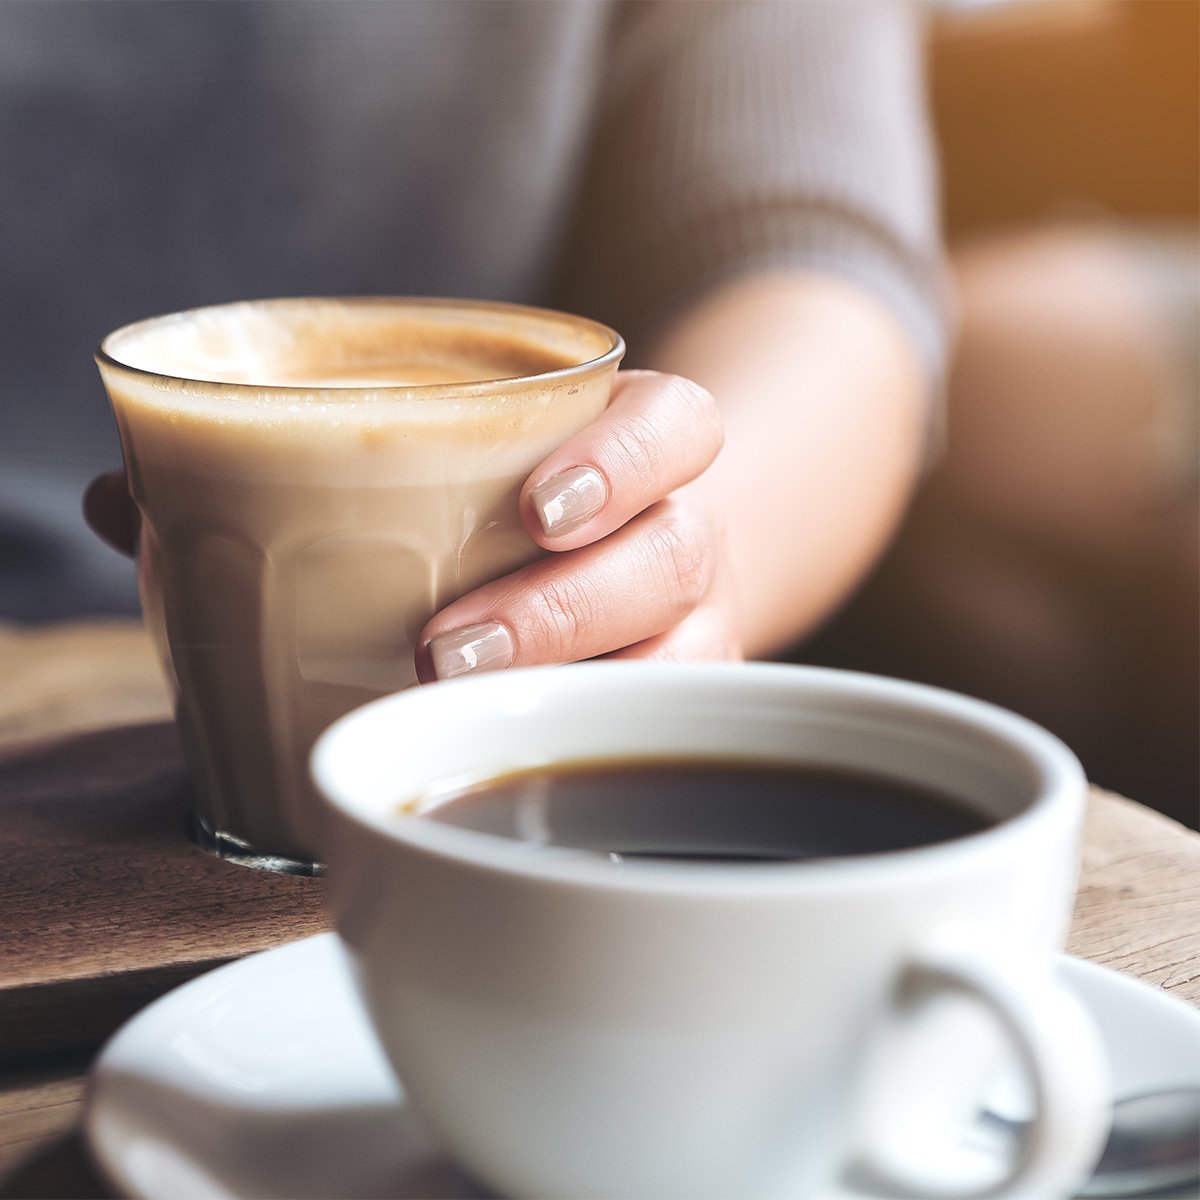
x=567, y=501
x=423, y=661
x=467, y=649
x=110, y=512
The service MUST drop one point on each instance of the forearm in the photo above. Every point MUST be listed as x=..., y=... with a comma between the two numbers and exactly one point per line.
x=825, y=410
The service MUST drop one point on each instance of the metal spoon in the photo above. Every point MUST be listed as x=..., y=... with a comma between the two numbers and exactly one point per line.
x=1153, y=1146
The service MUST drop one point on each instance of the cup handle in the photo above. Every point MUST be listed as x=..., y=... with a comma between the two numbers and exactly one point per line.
x=1057, y=1048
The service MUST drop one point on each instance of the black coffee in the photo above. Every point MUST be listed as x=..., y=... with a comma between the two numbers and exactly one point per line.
x=718, y=810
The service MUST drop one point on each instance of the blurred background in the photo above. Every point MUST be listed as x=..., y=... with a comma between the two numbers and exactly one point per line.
x=1052, y=560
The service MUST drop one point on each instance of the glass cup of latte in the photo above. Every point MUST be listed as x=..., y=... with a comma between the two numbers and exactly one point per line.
x=316, y=478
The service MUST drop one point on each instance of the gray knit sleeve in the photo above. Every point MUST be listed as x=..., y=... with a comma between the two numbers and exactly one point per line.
x=734, y=135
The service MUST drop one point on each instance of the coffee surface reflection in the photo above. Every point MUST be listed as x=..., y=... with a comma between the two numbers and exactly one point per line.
x=697, y=810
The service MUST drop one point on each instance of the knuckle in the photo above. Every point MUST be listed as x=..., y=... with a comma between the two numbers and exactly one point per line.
x=699, y=407
x=673, y=430
x=697, y=400
x=638, y=448
x=680, y=546
x=555, y=615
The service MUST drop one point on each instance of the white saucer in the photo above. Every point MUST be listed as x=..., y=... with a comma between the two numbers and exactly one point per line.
x=263, y=1079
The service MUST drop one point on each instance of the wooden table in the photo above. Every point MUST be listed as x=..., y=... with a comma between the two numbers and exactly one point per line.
x=89, y=769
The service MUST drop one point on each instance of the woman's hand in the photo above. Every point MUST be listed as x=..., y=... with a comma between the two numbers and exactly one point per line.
x=638, y=567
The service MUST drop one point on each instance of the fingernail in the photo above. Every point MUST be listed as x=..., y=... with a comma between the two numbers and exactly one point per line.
x=566, y=500
x=484, y=647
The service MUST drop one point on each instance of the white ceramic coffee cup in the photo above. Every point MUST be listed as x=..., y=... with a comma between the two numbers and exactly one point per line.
x=573, y=1028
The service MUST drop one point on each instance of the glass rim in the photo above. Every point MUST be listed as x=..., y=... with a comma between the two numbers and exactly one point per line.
x=106, y=357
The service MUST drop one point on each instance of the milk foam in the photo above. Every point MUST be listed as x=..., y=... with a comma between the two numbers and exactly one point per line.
x=319, y=343
x=350, y=393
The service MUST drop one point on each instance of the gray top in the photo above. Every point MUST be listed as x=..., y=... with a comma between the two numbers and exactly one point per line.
x=611, y=158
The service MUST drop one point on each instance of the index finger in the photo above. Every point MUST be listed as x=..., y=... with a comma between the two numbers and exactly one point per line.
x=658, y=433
